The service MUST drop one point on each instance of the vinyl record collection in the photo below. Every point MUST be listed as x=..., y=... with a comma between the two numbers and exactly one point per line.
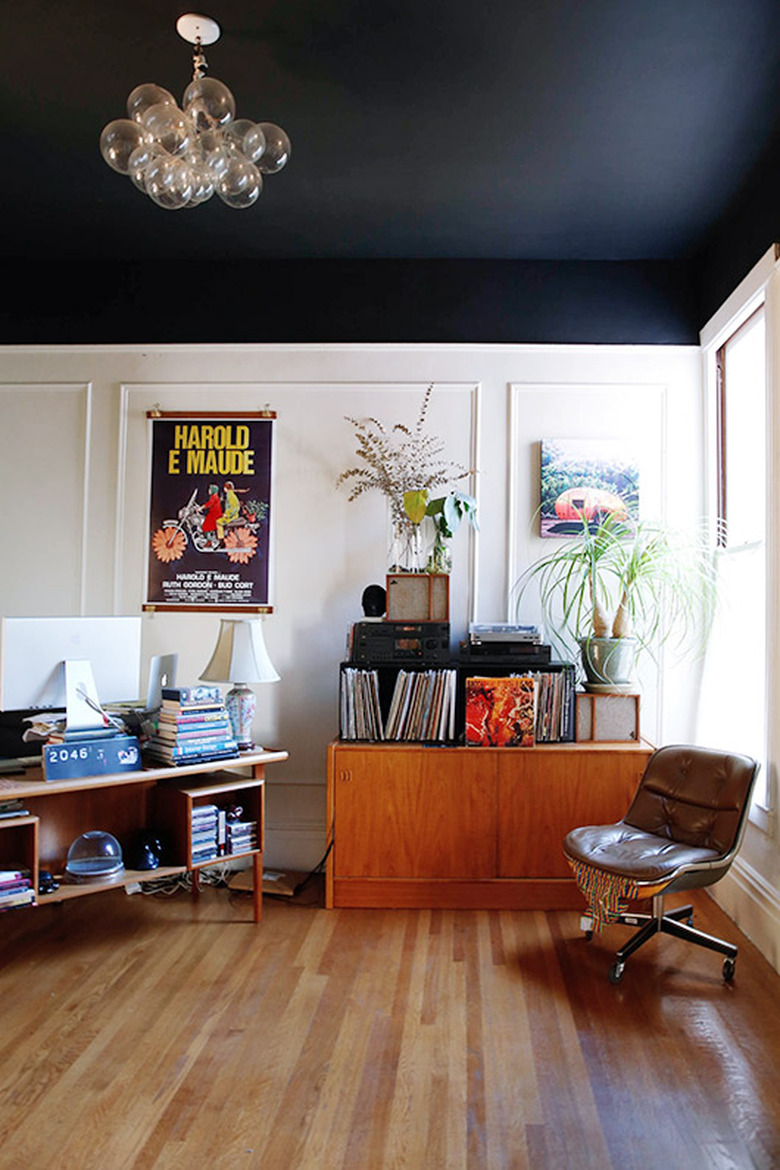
x=426, y=706
x=422, y=706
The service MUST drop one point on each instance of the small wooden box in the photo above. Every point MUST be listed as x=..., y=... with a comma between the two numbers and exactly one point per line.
x=418, y=597
x=607, y=718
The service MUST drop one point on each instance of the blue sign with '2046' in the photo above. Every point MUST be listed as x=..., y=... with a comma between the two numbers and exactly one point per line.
x=76, y=758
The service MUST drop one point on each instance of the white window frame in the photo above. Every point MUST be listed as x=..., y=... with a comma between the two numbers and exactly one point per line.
x=760, y=287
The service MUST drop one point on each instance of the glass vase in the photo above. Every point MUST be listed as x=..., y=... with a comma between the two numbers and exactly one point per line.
x=440, y=557
x=406, y=549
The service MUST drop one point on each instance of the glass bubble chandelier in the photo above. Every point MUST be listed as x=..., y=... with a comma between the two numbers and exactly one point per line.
x=180, y=157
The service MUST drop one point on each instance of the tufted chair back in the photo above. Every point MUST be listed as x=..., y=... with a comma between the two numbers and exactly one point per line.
x=694, y=796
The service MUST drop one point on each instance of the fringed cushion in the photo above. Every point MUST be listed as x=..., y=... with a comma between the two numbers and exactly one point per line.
x=607, y=894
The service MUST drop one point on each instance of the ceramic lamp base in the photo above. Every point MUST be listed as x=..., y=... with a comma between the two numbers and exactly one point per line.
x=241, y=704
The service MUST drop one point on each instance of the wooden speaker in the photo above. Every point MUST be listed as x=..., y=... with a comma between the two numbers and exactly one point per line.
x=607, y=718
x=418, y=597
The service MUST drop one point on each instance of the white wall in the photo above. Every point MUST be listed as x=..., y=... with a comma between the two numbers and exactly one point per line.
x=74, y=476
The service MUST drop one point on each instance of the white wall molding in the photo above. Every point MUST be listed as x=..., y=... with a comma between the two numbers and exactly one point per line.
x=582, y=425
x=20, y=464
x=415, y=350
x=259, y=394
x=754, y=905
x=636, y=413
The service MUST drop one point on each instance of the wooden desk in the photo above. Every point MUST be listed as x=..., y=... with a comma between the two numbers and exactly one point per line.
x=160, y=799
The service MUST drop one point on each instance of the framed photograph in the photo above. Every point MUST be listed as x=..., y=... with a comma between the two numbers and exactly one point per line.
x=210, y=511
x=588, y=478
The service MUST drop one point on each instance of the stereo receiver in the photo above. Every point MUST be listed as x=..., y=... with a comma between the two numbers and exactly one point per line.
x=401, y=642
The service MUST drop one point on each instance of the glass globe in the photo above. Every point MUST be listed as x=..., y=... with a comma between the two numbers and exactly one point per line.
x=209, y=103
x=146, y=95
x=277, y=148
x=118, y=140
x=208, y=153
x=241, y=184
x=246, y=137
x=203, y=187
x=169, y=182
x=170, y=127
x=139, y=161
x=95, y=856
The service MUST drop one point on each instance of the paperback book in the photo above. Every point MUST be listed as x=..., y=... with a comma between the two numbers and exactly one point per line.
x=203, y=696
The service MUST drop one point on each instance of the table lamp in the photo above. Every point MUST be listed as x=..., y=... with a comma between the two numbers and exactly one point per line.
x=240, y=657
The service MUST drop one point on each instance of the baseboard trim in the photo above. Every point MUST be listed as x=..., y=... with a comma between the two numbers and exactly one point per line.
x=754, y=905
x=294, y=846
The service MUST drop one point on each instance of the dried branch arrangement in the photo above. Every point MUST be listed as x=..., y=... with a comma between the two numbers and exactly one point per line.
x=399, y=460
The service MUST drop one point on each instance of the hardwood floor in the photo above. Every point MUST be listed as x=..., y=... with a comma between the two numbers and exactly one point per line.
x=173, y=1033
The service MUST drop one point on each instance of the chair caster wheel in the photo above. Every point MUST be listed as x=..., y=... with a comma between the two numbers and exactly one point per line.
x=728, y=969
x=616, y=972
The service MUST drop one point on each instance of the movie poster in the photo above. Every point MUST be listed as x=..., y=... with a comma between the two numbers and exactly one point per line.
x=210, y=511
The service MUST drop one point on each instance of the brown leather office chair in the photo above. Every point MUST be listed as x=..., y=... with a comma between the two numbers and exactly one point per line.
x=682, y=831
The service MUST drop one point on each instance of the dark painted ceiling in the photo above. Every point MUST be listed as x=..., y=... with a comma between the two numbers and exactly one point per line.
x=504, y=129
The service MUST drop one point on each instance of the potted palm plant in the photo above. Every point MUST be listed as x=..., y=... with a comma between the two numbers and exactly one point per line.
x=621, y=587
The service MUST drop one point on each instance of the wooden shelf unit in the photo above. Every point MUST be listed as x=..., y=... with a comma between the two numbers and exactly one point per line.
x=176, y=802
x=417, y=826
x=156, y=798
x=19, y=848
x=387, y=674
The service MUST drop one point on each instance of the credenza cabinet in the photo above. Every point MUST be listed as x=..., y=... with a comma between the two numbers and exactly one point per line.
x=467, y=827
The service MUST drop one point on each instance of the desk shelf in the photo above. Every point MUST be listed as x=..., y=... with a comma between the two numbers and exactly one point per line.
x=68, y=889
x=19, y=849
x=158, y=799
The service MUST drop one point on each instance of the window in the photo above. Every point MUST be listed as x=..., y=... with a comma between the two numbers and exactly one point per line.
x=741, y=410
x=737, y=659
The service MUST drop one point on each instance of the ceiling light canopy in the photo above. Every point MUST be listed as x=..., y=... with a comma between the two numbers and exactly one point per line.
x=180, y=157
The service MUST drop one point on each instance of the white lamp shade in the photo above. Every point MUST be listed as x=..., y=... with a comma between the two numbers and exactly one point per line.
x=240, y=655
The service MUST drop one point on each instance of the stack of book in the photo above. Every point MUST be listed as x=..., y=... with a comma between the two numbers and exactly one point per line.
x=205, y=833
x=192, y=726
x=16, y=888
x=241, y=836
x=12, y=808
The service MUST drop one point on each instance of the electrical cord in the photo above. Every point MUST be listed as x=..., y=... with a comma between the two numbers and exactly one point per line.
x=212, y=875
x=217, y=875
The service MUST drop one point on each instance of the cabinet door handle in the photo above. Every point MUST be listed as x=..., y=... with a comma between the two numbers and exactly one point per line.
x=345, y=774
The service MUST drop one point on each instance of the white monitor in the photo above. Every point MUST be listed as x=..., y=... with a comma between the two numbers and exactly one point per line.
x=33, y=651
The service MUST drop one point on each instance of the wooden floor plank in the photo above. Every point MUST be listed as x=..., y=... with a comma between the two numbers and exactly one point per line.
x=162, y=1034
